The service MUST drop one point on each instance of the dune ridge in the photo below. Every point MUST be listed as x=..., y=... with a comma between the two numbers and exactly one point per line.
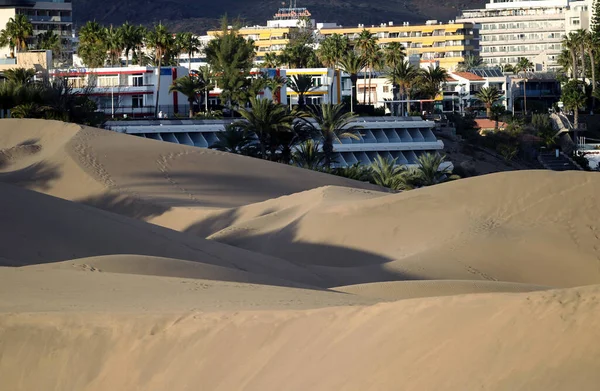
x=128, y=263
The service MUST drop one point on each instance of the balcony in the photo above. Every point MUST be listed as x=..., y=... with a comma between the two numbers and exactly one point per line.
x=51, y=19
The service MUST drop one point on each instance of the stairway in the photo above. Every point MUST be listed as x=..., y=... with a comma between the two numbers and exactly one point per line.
x=562, y=163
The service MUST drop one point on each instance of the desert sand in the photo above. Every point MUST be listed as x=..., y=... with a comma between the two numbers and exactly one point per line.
x=128, y=263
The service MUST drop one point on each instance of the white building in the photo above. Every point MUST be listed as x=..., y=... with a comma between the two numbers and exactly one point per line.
x=129, y=91
x=55, y=15
x=402, y=138
x=533, y=29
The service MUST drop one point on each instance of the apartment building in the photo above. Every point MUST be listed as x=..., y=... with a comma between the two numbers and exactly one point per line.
x=533, y=29
x=128, y=91
x=433, y=43
x=54, y=15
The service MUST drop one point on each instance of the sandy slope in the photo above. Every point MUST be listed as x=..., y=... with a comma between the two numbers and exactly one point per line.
x=530, y=341
x=106, y=300
x=535, y=227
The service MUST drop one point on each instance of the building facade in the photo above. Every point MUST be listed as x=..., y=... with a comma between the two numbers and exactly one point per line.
x=50, y=15
x=533, y=29
x=401, y=138
x=129, y=91
x=433, y=43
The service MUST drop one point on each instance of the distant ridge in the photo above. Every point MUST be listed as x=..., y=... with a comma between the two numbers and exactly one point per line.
x=201, y=15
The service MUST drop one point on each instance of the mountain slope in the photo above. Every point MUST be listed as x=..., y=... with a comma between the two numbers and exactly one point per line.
x=203, y=14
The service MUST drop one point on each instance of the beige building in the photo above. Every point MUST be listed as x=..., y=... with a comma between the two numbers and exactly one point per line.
x=55, y=15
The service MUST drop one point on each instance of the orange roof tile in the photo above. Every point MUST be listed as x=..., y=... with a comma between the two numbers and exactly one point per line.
x=450, y=78
x=469, y=76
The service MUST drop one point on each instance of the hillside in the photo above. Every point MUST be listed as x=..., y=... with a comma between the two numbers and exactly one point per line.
x=203, y=14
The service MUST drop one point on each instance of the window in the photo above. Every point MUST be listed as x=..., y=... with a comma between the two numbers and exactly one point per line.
x=386, y=89
x=575, y=21
x=137, y=101
x=137, y=80
x=108, y=81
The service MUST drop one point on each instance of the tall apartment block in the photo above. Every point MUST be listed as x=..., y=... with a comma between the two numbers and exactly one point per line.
x=509, y=29
x=55, y=15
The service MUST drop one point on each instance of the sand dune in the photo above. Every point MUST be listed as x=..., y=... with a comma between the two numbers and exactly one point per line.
x=533, y=227
x=149, y=265
x=529, y=341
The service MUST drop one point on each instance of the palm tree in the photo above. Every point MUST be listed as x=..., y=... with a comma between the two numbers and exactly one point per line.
x=20, y=76
x=403, y=76
x=333, y=124
x=429, y=172
x=301, y=84
x=366, y=44
x=433, y=78
x=581, y=40
x=332, y=49
x=565, y=61
x=92, y=44
x=207, y=76
x=352, y=64
x=489, y=96
x=265, y=119
x=114, y=44
x=385, y=172
x=271, y=60
x=573, y=98
x=232, y=140
x=522, y=65
x=190, y=44
x=190, y=86
x=132, y=38
x=592, y=42
x=571, y=43
x=49, y=41
x=16, y=32
x=471, y=62
x=161, y=41
x=373, y=59
x=308, y=155
x=393, y=54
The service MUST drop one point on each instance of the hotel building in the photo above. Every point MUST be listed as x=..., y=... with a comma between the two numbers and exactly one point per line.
x=433, y=43
x=401, y=138
x=533, y=29
x=55, y=15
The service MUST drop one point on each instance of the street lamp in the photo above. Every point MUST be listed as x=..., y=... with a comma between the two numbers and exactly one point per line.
x=460, y=90
x=525, y=95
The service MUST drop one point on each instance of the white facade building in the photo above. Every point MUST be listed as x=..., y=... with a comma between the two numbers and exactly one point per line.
x=533, y=29
x=129, y=91
x=55, y=15
x=402, y=138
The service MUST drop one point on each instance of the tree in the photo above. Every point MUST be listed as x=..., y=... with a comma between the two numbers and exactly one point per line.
x=161, y=40
x=301, y=84
x=265, y=119
x=522, y=65
x=230, y=57
x=352, y=64
x=333, y=124
x=332, y=50
x=595, y=19
x=20, y=76
x=207, y=76
x=571, y=43
x=573, y=98
x=15, y=33
x=133, y=39
x=49, y=41
x=308, y=155
x=403, y=76
x=190, y=86
x=432, y=79
x=387, y=173
x=190, y=44
x=271, y=60
x=488, y=96
x=114, y=44
x=429, y=171
x=366, y=44
x=300, y=56
x=581, y=41
x=591, y=43
x=471, y=62
x=233, y=140
x=393, y=54
x=92, y=46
